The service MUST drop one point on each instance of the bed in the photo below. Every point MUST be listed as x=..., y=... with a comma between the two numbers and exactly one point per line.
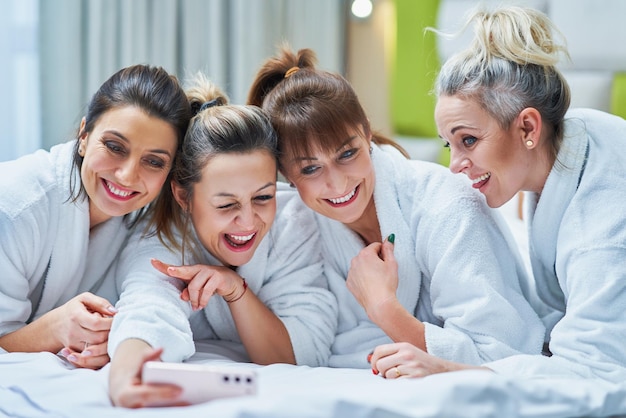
x=34, y=385
x=37, y=385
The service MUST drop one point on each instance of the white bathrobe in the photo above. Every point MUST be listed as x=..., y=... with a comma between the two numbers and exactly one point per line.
x=47, y=253
x=285, y=273
x=577, y=244
x=457, y=271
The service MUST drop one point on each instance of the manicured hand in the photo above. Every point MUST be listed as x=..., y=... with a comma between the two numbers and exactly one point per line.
x=373, y=275
x=126, y=388
x=203, y=281
x=83, y=328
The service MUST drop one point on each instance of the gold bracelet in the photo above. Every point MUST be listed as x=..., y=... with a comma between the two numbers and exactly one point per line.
x=245, y=288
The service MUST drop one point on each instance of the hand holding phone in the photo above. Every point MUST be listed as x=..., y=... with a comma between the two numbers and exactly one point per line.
x=201, y=382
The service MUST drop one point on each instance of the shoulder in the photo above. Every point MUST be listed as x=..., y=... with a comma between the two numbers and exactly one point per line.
x=289, y=206
x=33, y=180
x=595, y=123
x=432, y=185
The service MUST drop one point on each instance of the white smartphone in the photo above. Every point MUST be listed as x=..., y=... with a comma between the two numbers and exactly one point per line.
x=202, y=382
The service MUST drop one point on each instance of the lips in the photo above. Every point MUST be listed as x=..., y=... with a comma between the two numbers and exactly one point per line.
x=118, y=192
x=480, y=181
x=345, y=199
x=240, y=242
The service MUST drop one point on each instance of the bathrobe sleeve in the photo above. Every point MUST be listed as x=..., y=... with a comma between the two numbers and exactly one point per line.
x=20, y=239
x=44, y=238
x=295, y=287
x=150, y=308
x=473, y=277
x=578, y=237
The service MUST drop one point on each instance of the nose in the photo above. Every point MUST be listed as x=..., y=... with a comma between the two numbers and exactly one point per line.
x=458, y=161
x=128, y=173
x=245, y=218
x=335, y=180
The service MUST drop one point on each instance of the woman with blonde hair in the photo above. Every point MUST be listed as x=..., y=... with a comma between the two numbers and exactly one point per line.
x=503, y=110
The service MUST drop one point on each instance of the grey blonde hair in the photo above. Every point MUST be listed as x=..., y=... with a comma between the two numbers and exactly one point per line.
x=216, y=128
x=510, y=66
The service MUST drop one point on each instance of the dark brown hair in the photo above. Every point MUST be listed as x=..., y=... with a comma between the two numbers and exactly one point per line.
x=308, y=107
x=151, y=89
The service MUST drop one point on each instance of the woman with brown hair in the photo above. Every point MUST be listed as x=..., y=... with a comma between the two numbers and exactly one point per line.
x=411, y=251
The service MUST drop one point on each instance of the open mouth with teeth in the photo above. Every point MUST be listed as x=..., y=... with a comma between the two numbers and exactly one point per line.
x=479, y=182
x=240, y=242
x=117, y=193
x=346, y=199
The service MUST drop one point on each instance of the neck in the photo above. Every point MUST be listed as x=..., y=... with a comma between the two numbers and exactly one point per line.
x=367, y=226
x=540, y=172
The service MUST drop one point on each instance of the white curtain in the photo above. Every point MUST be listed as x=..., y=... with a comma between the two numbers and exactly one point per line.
x=83, y=42
x=19, y=80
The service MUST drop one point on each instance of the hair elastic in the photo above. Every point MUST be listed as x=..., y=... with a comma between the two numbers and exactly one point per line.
x=199, y=108
x=291, y=71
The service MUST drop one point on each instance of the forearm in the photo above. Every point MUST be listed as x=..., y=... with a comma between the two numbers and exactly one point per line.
x=398, y=323
x=262, y=333
x=127, y=359
x=37, y=336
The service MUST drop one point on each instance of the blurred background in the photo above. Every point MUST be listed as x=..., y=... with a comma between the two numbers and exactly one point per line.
x=54, y=54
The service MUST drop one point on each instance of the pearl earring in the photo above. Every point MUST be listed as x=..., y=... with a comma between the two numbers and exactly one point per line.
x=529, y=143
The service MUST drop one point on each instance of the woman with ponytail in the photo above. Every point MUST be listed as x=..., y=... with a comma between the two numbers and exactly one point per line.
x=503, y=110
x=244, y=254
x=411, y=251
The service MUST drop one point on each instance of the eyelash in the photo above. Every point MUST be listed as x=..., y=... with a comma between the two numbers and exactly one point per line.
x=258, y=199
x=344, y=156
x=115, y=148
x=464, y=140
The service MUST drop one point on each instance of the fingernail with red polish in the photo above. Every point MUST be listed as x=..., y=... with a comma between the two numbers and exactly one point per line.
x=369, y=357
x=374, y=371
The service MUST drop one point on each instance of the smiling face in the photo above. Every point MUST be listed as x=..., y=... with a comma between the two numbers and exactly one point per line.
x=338, y=184
x=495, y=159
x=127, y=157
x=233, y=206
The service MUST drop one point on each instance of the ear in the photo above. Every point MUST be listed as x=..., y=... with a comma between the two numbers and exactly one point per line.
x=81, y=131
x=180, y=194
x=530, y=124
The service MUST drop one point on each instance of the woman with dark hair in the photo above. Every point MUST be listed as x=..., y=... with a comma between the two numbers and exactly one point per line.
x=66, y=214
x=411, y=252
x=245, y=255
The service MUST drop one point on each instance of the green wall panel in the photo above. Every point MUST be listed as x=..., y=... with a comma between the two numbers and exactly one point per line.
x=618, y=96
x=415, y=67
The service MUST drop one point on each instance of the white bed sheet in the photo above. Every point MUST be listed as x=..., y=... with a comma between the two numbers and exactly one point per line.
x=45, y=385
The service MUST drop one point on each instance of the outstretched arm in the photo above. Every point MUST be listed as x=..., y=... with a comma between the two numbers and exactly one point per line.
x=125, y=385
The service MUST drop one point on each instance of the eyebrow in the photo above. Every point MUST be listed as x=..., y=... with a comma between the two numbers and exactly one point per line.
x=343, y=144
x=456, y=128
x=123, y=138
x=224, y=194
